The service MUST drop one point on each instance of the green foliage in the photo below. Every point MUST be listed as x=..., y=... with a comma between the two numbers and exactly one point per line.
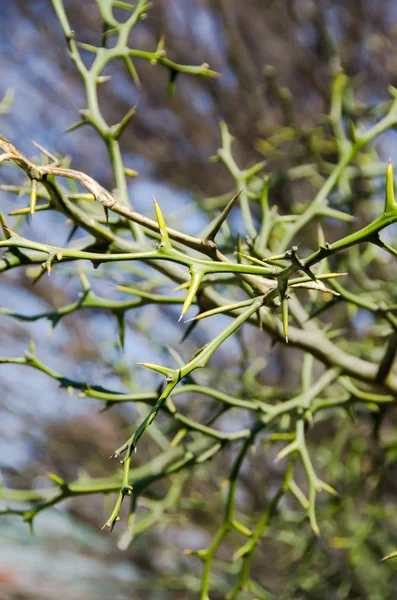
x=282, y=278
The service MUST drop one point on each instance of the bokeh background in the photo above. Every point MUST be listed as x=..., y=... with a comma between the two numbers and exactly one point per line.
x=169, y=143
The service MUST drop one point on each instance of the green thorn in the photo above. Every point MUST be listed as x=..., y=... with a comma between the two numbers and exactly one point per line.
x=353, y=131
x=160, y=45
x=119, y=128
x=222, y=217
x=389, y=556
x=131, y=172
x=120, y=316
x=132, y=70
x=30, y=524
x=33, y=197
x=84, y=282
x=390, y=202
x=26, y=210
x=58, y=480
x=103, y=78
x=87, y=47
x=172, y=83
x=6, y=230
x=165, y=240
x=163, y=370
x=196, y=279
x=284, y=312
x=76, y=126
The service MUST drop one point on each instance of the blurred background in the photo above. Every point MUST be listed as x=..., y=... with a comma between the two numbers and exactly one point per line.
x=276, y=59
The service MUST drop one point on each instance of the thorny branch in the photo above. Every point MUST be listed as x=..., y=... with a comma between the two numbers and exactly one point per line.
x=267, y=268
